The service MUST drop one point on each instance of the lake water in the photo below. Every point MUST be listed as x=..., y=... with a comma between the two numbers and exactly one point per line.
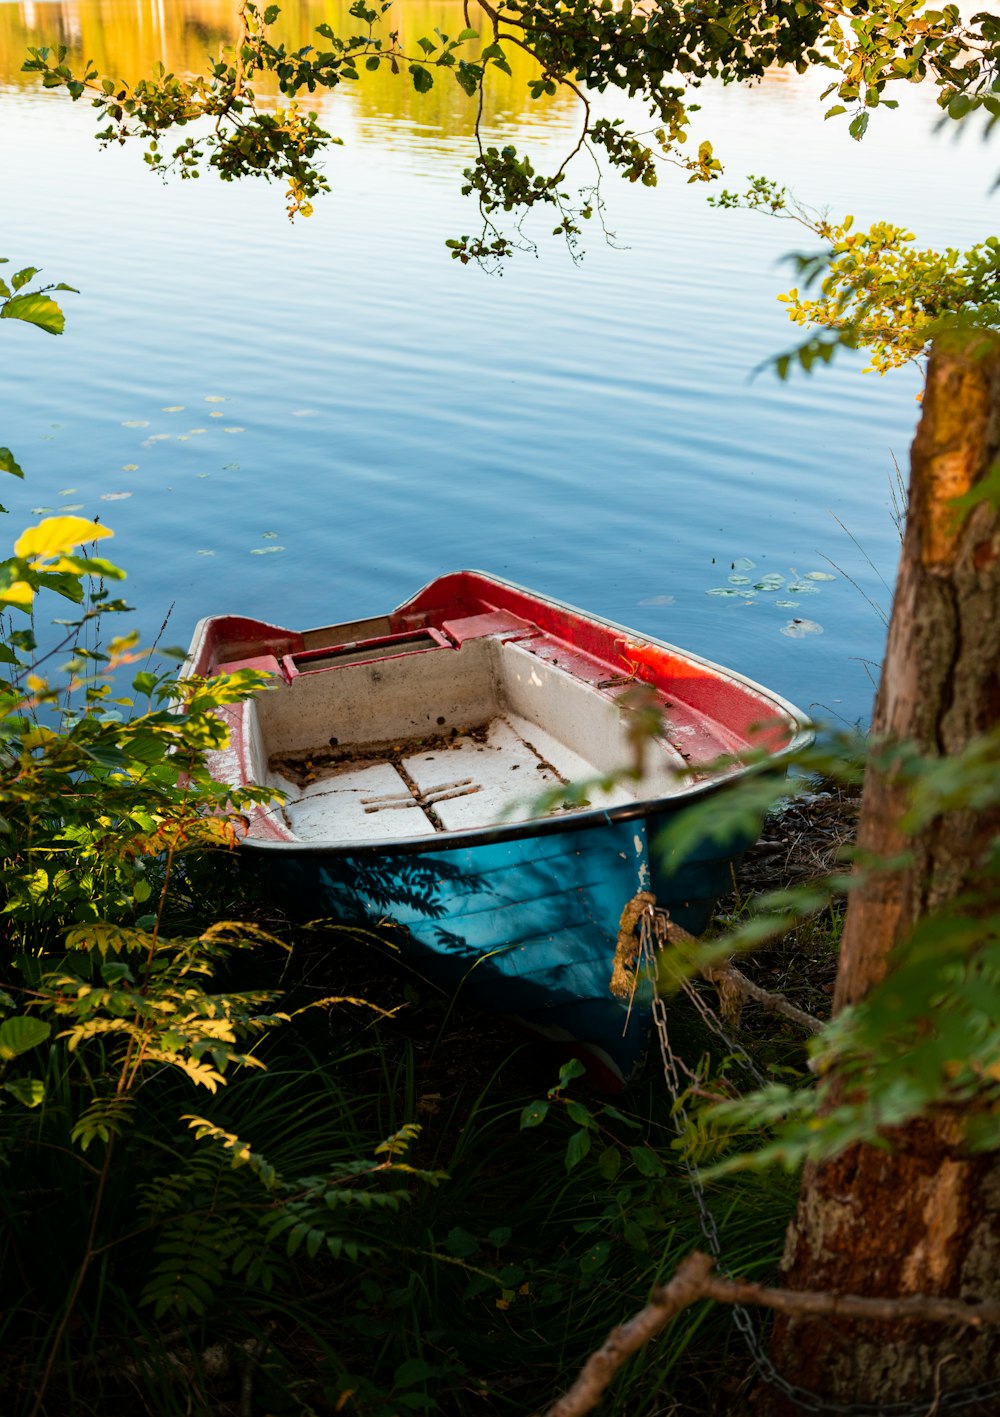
x=307, y=422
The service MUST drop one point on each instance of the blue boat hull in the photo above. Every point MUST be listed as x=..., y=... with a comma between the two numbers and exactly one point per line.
x=525, y=928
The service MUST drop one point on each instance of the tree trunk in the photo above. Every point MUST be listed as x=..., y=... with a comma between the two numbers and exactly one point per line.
x=924, y=1217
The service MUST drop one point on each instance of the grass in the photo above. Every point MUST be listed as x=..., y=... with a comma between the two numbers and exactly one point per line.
x=481, y=1294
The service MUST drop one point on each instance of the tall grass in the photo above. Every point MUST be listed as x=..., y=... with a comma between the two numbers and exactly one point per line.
x=481, y=1294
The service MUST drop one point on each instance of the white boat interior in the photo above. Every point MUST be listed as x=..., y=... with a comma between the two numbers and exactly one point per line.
x=438, y=738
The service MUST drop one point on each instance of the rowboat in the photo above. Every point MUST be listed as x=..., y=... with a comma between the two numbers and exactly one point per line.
x=453, y=769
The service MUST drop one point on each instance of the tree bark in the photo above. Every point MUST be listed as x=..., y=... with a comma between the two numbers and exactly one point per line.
x=925, y=1216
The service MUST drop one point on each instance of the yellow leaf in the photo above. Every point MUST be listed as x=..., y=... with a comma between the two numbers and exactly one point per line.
x=19, y=593
x=55, y=535
x=37, y=737
x=503, y=1304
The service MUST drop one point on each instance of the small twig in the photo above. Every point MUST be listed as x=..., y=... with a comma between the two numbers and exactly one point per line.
x=694, y=1280
x=774, y=1003
x=160, y=632
x=727, y=974
x=864, y=553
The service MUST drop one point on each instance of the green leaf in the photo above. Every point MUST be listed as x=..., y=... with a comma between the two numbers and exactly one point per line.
x=579, y=1114
x=573, y=1069
x=858, y=126
x=8, y=463
x=617, y=1116
x=271, y=14
x=37, y=310
x=423, y=79
x=28, y=1091
x=635, y=1236
x=647, y=1163
x=577, y=1148
x=22, y=277
x=414, y=1370
x=533, y=1114
x=106, y=755
x=460, y=1243
x=609, y=1162
x=20, y=1034
x=144, y=682
x=595, y=1257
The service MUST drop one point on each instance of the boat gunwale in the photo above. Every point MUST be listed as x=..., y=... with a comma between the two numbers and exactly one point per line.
x=802, y=733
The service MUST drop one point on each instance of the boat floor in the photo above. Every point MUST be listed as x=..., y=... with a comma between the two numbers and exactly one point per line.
x=465, y=779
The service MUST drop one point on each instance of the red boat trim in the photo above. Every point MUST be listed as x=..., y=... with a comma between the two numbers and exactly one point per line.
x=473, y=602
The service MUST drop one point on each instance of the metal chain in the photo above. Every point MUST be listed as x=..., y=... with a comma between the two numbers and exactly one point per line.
x=653, y=939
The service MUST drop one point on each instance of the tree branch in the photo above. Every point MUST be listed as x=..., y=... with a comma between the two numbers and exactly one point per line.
x=734, y=978
x=694, y=1280
x=722, y=976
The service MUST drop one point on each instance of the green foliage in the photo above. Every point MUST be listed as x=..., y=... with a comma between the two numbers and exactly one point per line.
x=927, y=1036
x=102, y=793
x=876, y=289
x=34, y=307
x=660, y=53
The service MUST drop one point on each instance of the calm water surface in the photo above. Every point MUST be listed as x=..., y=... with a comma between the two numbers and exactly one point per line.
x=306, y=423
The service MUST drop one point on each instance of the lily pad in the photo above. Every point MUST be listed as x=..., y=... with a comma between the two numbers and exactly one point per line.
x=803, y=588
x=726, y=590
x=787, y=604
x=798, y=629
x=657, y=600
x=136, y=423
x=818, y=576
x=231, y=467
x=130, y=467
x=216, y=413
x=204, y=553
x=234, y=430
x=770, y=582
x=265, y=550
x=739, y=580
x=743, y=563
x=73, y=506
x=114, y=496
x=270, y=535
x=215, y=398
x=173, y=408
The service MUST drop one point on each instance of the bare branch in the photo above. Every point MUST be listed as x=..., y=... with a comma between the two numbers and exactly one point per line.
x=694, y=1280
x=686, y=1287
x=775, y=1003
x=722, y=976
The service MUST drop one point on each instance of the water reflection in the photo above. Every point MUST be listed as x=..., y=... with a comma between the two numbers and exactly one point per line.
x=125, y=38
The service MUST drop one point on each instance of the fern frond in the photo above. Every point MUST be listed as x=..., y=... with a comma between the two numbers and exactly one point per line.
x=104, y=1118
